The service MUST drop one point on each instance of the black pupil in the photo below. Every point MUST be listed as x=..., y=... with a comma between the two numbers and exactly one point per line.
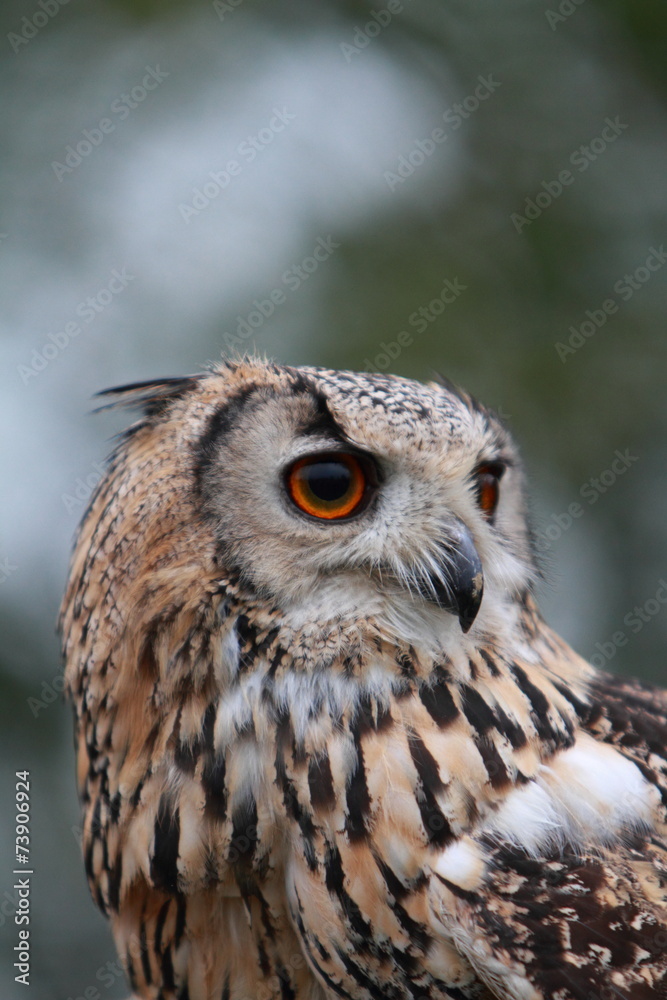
x=328, y=481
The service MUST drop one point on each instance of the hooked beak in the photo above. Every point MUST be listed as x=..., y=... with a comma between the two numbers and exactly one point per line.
x=459, y=584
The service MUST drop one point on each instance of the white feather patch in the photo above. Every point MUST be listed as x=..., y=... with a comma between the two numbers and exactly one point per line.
x=462, y=864
x=589, y=795
x=601, y=792
x=528, y=818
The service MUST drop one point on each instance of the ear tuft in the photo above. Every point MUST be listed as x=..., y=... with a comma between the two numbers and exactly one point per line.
x=151, y=396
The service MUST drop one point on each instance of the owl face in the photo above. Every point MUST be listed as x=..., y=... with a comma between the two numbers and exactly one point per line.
x=330, y=492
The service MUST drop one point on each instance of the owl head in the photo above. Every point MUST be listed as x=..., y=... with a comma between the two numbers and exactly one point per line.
x=329, y=495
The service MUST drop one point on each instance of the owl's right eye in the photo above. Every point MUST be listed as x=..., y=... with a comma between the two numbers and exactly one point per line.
x=331, y=486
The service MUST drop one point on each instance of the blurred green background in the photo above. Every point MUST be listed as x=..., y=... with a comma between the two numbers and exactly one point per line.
x=167, y=166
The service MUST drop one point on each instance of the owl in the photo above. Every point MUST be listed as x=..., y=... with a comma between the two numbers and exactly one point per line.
x=326, y=745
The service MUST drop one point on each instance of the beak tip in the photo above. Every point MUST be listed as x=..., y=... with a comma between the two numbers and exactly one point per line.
x=469, y=614
x=467, y=586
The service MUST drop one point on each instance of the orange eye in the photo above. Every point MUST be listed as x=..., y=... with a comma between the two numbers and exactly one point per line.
x=488, y=487
x=330, y=486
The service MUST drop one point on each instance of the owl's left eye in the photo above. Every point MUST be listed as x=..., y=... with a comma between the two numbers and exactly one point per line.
x=330, y=486
x=487, y=484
